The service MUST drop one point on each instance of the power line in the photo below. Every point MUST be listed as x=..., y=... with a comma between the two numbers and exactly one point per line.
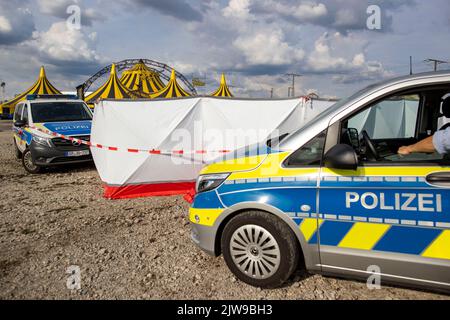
x=436, y=62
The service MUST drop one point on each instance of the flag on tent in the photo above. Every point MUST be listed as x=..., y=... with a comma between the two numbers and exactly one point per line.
x=172, y=90
x=143, y=79
x=111, y=89
x=223, y=90
x=41, y=86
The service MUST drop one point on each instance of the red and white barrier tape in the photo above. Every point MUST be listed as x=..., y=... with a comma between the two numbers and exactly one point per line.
x=130, y=150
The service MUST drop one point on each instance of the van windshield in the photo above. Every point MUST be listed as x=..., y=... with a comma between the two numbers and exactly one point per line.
x=59, y=112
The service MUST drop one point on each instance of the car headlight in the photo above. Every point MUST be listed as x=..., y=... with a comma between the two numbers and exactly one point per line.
x=43, y=141
x=210, y=181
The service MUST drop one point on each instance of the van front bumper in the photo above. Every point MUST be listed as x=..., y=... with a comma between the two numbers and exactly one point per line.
x=205, y=238
x=51, y=156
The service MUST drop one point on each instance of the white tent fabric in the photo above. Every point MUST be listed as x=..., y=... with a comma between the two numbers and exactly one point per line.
x=201, y=123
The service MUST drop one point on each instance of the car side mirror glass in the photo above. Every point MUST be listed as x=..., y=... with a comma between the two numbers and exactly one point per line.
x=20, y=123
x=341, y=156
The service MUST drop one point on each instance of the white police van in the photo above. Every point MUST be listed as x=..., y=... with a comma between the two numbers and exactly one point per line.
x=335, y=197
x=38, y=116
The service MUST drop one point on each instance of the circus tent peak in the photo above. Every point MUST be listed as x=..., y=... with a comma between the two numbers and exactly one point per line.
x=142, y=79
x=41, y=86
x=223, y=90
x=111, y=89
x=172, y=90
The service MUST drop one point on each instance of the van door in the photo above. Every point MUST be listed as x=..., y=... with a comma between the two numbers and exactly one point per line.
x=19, y=135
x=392, y=214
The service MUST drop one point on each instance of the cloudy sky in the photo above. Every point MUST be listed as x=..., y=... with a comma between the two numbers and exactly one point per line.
x=255, y=42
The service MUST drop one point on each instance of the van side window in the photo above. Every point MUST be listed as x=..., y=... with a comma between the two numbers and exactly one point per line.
x=396, y=121
x=25, y=114
x=310, y=154
x=18, y=112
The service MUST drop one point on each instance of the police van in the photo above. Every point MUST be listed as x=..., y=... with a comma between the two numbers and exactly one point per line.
x=37, y=117
x=335, y=197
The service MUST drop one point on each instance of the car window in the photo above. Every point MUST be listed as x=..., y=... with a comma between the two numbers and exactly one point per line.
x=393, y=118
x=25, y=114
x=18, y=112
x=59, y=112
x=387, y=125
x=310, y=154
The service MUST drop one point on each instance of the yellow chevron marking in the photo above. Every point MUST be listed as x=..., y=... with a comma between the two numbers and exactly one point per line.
x=440, y=248
x=206, y=217
x=309, y=226
x=363, y=236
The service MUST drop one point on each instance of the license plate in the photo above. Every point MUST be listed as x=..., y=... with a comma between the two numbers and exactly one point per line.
x=77, y=153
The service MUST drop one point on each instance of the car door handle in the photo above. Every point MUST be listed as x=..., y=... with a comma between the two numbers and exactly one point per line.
x=439, y=179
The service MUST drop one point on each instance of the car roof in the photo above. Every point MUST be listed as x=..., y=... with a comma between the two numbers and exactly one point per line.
x=54, y=100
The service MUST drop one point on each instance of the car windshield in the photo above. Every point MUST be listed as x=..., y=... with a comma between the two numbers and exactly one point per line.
x=59, y=112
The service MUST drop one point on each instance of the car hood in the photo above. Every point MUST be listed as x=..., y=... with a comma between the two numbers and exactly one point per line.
x=72, y=128
x=243, y=159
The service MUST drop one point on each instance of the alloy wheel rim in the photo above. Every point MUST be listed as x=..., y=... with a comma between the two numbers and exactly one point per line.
x=255, y=252
x=28, y=160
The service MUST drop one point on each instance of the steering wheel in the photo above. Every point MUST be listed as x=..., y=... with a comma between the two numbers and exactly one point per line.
x=369, y=145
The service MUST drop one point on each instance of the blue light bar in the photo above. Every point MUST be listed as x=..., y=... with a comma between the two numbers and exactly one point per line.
x=52, y=96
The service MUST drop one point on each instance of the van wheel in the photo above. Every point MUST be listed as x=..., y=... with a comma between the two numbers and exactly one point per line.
x=17, y=152
x=28, y=163
x=260, y=249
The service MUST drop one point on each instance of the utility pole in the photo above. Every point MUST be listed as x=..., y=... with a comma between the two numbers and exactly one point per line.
x=436, y=62
x=293, y=75
x=271, y=93
x=2, y=86
x=410, y=65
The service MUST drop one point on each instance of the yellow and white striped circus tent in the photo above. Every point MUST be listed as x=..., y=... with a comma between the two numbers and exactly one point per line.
x=111, y=89
x=172, y=90
x=142, y=79
x=41, y=86
x=223, y=90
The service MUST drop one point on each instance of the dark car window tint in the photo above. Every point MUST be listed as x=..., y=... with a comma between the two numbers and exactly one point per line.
x=59, y=112
x=310, y=154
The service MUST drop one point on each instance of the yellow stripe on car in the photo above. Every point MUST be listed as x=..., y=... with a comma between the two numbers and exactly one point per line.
x=205, y=217
x=364, y=236
x=309, y=226
x=440, y=248
x=384, y=171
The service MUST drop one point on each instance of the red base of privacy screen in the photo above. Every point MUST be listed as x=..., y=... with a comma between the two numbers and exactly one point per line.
x=151, y=190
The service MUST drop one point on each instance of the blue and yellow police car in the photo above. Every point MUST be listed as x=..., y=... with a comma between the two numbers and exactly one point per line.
x=335, y=197
x=63, y=114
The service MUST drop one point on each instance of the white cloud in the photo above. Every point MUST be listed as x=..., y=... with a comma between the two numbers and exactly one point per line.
x=267, y=46
x=237, y=9
x=337, y=53
x=60, y=43
x=307, y=11
x=5, y=25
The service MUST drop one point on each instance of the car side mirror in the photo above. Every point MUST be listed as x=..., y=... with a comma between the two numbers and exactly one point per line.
x=341, y=156
x=20, y=123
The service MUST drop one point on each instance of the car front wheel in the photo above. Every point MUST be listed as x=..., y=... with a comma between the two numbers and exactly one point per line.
x=260, y=249
x=28, y=162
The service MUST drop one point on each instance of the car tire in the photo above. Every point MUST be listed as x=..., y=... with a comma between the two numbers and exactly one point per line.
x=260, y=249
x=28, y=163
x=17, y=152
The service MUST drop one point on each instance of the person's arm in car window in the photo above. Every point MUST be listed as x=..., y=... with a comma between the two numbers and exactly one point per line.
x=439, y=142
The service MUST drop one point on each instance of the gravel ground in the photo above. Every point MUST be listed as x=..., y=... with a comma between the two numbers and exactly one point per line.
x=127, y=249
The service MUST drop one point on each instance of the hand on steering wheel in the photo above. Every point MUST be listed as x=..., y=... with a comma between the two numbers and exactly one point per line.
x=369, y=145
